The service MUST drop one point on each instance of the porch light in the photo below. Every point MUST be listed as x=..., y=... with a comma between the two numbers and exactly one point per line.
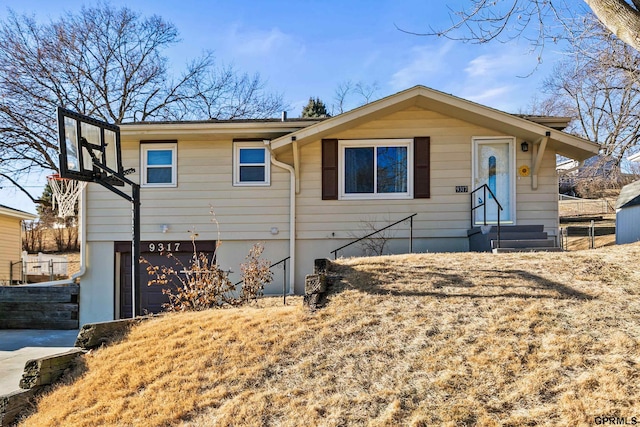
x=524, y=146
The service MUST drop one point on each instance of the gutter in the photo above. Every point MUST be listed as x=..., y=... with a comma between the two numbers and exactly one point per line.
x=292, y=213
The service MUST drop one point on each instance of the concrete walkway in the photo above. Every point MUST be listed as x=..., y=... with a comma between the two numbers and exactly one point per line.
x=17, y=346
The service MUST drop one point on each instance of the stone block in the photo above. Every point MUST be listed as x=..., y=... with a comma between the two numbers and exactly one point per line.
x=321, y=265
x=94, y=335
x=315, y=284
x=46, y=370
x=12, y=404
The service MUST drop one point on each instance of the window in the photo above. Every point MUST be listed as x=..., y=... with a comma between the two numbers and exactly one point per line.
x=380, y=168
x=251, y=164
x=159, y=164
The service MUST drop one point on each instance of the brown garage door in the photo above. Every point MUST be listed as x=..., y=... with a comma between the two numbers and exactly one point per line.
x=151, y=297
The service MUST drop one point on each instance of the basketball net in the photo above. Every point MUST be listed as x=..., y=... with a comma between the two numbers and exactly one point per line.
x=64, y=193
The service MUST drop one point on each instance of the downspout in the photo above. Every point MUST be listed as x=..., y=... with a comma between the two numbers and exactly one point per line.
x=82, y=231
x=292, y=213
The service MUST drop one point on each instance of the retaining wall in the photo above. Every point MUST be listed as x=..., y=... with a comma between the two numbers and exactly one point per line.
x=39, y=307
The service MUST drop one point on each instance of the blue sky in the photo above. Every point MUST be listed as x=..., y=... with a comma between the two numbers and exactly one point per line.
x=306, y=49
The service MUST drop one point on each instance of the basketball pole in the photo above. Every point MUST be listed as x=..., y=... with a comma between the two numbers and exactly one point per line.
x=136, y=279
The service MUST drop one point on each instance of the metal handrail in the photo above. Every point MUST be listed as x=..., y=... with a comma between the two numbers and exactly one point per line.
x=284, y=280
x=410, y=217
x=485, y=188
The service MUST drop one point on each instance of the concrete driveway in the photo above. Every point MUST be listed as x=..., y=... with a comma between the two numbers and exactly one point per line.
x=17, y=346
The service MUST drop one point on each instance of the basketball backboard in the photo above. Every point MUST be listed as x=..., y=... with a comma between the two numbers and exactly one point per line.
x=89, y=148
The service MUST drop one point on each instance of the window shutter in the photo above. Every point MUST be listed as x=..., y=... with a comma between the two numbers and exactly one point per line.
x=329, y=169
x=421, y=167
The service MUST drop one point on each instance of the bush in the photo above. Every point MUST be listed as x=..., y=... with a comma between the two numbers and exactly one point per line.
x=255, y=275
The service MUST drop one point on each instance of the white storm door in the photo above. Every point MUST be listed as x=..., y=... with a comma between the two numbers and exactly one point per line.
x=494, y=165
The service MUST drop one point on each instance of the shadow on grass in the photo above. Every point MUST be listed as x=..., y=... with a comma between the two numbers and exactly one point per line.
x=448, y=283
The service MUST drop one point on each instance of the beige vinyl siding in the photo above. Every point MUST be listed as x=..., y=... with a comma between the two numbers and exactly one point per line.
x=205, y=182
x=538, y=206
x=446, y=213
x=10, y=246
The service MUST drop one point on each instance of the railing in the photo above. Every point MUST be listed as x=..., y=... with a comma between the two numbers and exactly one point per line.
x=410, y=218
x=483, y=204
x=284, y=277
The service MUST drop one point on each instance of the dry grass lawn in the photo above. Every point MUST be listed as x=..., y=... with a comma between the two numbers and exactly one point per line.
x=429, y=339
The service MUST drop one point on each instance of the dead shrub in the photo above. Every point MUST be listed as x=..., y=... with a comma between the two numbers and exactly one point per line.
x=255, y=273
x=204, y=285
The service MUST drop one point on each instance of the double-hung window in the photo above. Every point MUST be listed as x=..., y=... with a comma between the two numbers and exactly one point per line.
x=159, y=164
x=377, y=168
x=251, y=164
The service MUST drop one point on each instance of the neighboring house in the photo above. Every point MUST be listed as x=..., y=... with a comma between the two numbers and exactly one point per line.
x=572, y=172
x=11, y=242
x=305, y=187
x=628, y=214
x=596, y=166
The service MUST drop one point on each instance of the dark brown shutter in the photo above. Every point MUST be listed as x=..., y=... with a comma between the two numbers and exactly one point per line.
x=329, y=169
x=421, y=167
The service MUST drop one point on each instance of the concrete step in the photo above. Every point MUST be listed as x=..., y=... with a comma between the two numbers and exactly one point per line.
x=510, y=250
x=523, y=243
x=533, y=228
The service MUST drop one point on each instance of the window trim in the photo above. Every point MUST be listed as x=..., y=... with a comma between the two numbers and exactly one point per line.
x=157, y=146
x=374, y=143
x=237, y=146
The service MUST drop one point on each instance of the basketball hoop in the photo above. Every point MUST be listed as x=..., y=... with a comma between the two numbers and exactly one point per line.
x=65, y=193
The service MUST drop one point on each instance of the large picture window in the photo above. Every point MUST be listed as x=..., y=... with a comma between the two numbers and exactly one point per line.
x=251, y=164
x=159, y=164
x=376, y=169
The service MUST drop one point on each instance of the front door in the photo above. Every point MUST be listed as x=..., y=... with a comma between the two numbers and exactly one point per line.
x=494, y=165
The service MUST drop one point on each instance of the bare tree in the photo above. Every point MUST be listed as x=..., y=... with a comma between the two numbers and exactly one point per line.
x=487, y=20
x=346, y=90
x=107, y=63
x=599, y=86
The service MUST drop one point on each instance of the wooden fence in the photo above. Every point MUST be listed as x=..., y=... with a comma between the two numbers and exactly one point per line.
x=39, y=307
x=570, y=206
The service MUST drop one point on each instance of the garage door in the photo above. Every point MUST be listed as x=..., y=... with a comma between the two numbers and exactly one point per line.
x=151, y=296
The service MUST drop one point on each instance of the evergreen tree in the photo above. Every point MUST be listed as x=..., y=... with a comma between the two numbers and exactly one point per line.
x=315, y=108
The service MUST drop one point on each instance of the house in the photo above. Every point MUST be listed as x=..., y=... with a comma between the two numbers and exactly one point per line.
x=634, y=157
x=11, y=243
x=596, y=168
x=628, y=214
x=305, y=187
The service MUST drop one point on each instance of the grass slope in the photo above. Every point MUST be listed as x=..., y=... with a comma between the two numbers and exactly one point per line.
x=429, y=339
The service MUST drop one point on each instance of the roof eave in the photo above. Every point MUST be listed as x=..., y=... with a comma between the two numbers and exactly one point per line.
x=181, y=129
x=566, y=144
x=15, y=213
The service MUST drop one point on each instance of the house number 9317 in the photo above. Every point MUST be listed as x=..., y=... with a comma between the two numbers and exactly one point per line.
x=162, y=247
